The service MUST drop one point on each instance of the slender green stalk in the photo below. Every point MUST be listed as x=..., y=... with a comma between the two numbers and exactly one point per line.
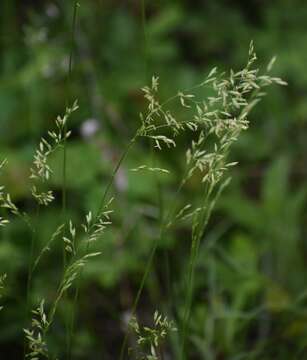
x=118, y=165
x=145, y=42
x=31, y=261
x=196, y=236
x=30, y=270
x=64, y=169
x=198, y=230
x=64, y=184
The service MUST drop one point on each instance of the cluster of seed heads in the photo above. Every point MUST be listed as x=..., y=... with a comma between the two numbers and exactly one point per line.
x=95, y=227
x=6, y=201
x=150, y=339
x=41, y=171
x=222, y=116
x=36, y=335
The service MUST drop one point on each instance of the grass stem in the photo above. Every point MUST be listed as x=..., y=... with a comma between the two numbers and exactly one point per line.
x=69, y=327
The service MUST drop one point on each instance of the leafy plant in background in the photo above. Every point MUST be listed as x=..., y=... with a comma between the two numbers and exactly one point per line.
x=215, y=122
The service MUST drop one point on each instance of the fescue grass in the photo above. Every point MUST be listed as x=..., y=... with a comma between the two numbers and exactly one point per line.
x=214, y=123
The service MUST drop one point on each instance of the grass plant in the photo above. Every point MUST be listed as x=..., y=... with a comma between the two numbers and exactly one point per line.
x=213, y=114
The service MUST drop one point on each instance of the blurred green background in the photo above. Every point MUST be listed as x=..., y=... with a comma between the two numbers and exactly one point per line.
x=250, y=300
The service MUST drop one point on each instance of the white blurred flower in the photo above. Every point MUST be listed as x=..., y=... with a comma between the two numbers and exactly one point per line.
x=89, y=128
x=52, y=10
